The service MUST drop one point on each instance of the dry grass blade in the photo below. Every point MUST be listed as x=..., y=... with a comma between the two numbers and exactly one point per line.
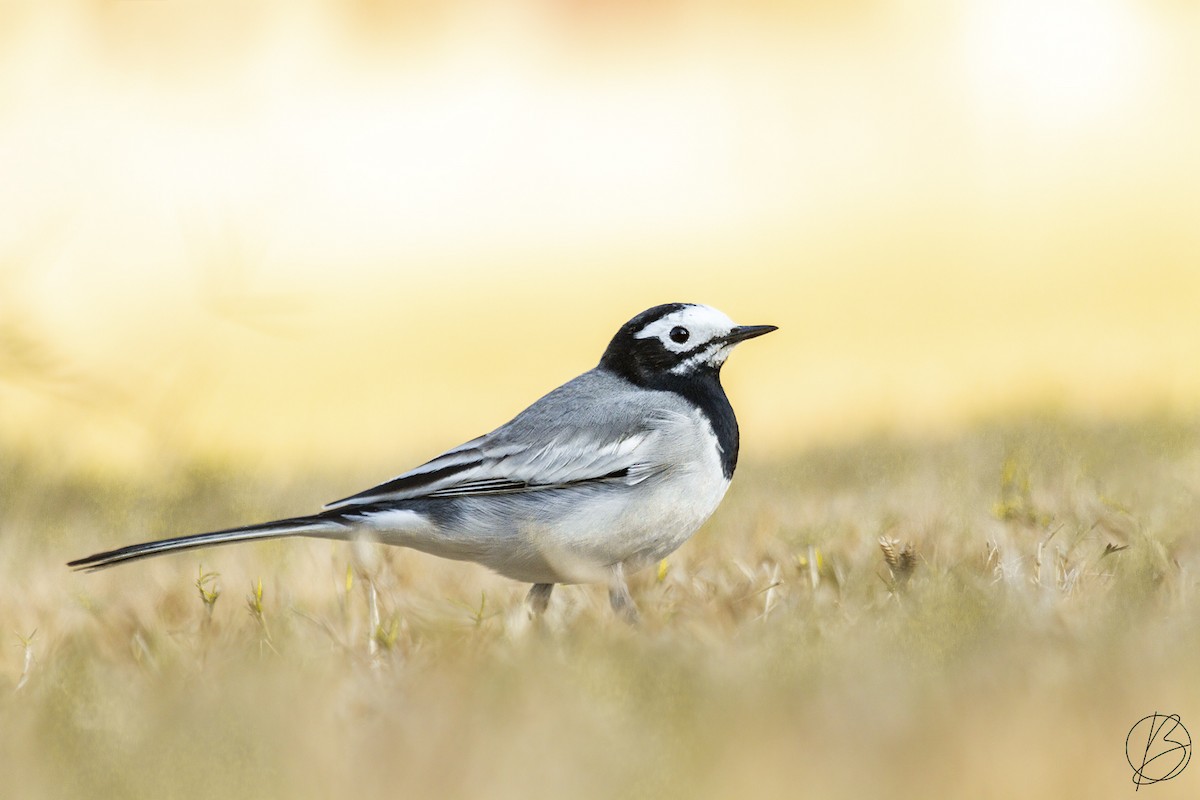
x=26, y=661
x=901, y=560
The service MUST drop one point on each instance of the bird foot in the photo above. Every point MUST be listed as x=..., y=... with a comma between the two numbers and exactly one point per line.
x=539, y=599
x=619, y=597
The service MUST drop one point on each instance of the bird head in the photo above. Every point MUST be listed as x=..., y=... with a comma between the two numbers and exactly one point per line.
x=675, y=340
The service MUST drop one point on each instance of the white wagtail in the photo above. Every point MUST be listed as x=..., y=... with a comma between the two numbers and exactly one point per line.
x=603, y=476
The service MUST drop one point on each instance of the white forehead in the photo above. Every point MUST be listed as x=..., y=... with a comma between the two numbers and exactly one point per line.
x=702, y=322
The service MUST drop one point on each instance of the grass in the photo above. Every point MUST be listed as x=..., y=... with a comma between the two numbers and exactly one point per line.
x=981, y=615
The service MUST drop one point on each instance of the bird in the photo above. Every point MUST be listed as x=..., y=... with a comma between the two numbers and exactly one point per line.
x=599, y=478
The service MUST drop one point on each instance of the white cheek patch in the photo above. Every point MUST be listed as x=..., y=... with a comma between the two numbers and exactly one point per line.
x=713, y=356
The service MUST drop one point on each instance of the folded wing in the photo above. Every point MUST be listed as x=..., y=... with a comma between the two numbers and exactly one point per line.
x=596, y=427
x=487, y=466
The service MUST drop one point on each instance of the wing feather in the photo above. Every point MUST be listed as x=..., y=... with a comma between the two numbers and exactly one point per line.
x=558, y=463
x=594, y=428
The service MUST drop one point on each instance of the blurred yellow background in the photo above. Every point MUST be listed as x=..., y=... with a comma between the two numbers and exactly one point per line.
x=361, y=232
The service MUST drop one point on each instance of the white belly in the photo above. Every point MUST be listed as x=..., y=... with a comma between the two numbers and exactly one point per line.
x=634, y=526
x=583, y=547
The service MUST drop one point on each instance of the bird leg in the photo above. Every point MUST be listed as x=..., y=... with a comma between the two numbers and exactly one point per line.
x=539, y=598
x=619, y=597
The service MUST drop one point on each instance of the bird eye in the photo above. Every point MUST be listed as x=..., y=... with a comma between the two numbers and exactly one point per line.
x=679, y=334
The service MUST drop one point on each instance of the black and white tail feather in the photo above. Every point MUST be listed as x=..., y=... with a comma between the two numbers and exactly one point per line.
x=299, y=526
x=602, y=476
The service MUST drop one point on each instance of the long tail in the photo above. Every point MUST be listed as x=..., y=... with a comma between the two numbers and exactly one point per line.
x=325, y=525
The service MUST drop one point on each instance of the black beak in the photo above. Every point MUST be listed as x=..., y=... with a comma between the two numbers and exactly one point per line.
x=743, y=332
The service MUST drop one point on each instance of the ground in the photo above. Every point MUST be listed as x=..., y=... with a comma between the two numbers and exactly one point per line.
x=979, y=614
